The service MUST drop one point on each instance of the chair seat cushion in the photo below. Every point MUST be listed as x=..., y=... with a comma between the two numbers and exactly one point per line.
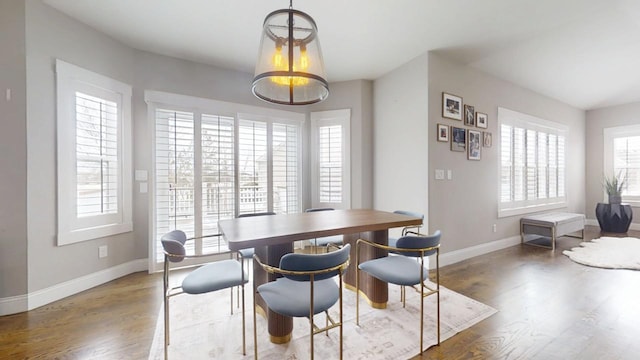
x=399, y=270
x=215, y=276
x=291, y=298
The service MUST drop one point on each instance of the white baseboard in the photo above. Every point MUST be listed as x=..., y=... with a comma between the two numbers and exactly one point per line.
x=470, y=252
x=13, y=305
x=21, y=303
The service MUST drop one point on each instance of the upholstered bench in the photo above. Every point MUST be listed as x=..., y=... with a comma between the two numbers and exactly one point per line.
x=552, y=225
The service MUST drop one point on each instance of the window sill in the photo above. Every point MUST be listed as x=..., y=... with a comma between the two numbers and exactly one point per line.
x=529, y=209
x=75, y=236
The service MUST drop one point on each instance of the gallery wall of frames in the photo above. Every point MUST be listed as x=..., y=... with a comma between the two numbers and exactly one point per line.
x=467, y=135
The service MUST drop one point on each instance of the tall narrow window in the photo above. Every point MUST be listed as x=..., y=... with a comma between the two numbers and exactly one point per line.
x=94, y=155
x=622, y=158
x=532, y=173
x=330, y=131
x=330, y=164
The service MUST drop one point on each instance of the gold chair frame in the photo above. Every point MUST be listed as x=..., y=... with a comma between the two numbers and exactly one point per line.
x=177, y=290
x=313, y=329
x=423, y=294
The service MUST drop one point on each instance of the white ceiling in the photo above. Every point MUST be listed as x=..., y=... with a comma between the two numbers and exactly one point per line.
x=585, y=53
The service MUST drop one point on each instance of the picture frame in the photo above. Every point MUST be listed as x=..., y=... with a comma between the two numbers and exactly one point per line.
x=482, y=120
x=474, y=145
x=451, y=106
x=486, y=139
x=469, y=115
x=443, y=132
x=458, y=139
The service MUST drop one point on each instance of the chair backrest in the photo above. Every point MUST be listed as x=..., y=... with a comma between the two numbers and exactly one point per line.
x=257, y=214
x=419, y=242
x=173, y=243
x=314, y=262
x=319, y=209
x=409, y=213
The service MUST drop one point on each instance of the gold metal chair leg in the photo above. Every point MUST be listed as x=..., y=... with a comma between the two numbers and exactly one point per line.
x=340, y=279
x=244, y=340
x=255, y=331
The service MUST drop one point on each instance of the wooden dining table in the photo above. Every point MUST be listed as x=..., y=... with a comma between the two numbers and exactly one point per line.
x=273, y=236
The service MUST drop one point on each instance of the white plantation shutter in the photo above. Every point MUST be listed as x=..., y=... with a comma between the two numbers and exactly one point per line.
x=532, y=159
x=626, y=162
x=209, y=167
x=331, y=169
x=218, y=171
x=93, y=155
x=286, y=164
x=252, y=167
x=330, y=163
x=96, y=156
x=174, y=172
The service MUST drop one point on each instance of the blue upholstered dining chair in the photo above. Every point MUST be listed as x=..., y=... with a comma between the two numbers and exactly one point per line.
x=307, y=287
x=337, y=240
x=207, y=278
x=415, y=228
x=404, y=270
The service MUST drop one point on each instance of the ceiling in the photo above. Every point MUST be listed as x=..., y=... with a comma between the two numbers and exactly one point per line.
x=585, y=53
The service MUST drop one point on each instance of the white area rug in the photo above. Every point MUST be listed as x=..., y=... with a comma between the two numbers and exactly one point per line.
x=201, y=328
x=608, y=252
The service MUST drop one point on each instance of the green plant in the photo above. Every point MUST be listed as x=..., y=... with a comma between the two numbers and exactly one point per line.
x=614, y=185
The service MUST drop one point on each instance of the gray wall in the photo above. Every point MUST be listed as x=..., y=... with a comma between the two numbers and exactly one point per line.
x=400, y=138
x=597, y=121
x=466, y=207
x=51, y=35
x=13, y=161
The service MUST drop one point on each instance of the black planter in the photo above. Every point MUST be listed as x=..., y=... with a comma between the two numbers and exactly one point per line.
x=614, y=218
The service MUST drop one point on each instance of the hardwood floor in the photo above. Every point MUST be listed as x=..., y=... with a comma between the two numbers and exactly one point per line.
x=548, y=308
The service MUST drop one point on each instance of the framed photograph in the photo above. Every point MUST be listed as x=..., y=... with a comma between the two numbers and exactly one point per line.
x=469, y=115
x=458, y=139
x=486, y=141
x=482, y=120
x=443, y=132
x=474, y=144
x=451, y=106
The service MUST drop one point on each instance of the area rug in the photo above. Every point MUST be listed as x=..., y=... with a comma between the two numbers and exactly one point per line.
x=608, y=252
x=202, y=328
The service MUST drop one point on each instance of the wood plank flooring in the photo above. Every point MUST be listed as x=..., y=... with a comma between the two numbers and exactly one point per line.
x=549, y=308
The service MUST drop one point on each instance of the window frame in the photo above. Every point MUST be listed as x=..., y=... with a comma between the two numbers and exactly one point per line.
x=71, y=228
x=609, y=135
x=319, y=119
x=531, y=123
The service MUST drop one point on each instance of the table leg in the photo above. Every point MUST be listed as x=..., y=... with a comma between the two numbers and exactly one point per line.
x=280, y=326
x=374, y=290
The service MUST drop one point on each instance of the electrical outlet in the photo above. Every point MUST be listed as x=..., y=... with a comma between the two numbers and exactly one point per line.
x=495, y=228
x=103, y=251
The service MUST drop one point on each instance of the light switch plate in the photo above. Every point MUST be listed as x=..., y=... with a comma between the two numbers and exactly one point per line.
x=439, y=174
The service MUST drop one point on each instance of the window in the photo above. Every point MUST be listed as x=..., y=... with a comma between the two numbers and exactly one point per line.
x=94, y=155
x=532, y=171
x=622, y=157
x=331, y=156
x=216, y=160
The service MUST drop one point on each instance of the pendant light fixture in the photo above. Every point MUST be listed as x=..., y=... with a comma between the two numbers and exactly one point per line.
x=290, y=70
